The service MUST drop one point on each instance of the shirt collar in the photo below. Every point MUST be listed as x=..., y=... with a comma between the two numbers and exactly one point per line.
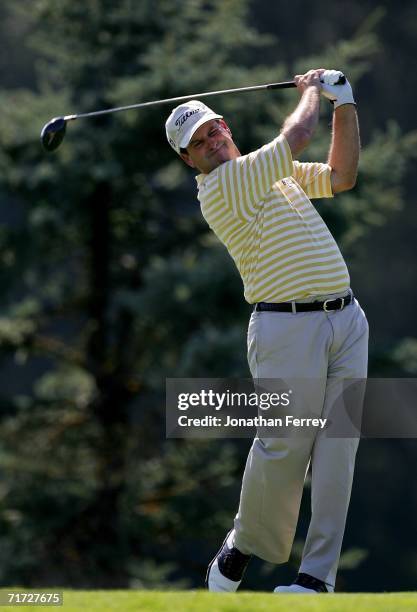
x=200, y=179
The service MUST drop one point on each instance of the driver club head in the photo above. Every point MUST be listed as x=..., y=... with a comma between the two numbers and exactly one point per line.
x=53, y=133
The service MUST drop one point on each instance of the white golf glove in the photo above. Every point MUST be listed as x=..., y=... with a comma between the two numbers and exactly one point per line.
x=338, y=94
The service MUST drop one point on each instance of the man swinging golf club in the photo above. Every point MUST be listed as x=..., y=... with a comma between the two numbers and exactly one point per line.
x=305, y=323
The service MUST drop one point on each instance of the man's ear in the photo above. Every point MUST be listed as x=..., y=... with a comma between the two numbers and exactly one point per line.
x=187, y=159
x=224, y=125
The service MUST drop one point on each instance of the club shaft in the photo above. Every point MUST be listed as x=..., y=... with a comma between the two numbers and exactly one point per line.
x=282, y=85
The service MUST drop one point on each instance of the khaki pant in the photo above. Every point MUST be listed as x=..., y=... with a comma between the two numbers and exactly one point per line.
x=328, y=347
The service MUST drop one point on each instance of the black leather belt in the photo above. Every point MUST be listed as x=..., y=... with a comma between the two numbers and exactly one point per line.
x=327, y=305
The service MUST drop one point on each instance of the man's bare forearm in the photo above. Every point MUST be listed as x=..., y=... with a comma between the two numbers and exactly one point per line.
x=299, y=127
x=344, y=148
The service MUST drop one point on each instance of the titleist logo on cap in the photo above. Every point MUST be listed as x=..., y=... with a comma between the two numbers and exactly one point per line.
x=183, y=118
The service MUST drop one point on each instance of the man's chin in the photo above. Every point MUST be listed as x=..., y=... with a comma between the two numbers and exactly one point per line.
x=222, y=156
x=216, y=163
x=219, y=158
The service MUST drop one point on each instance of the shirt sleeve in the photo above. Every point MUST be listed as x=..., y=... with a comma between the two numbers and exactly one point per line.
x=245, y=181
x=314, y=178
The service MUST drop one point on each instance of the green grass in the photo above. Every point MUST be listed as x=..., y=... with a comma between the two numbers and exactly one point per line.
x=201, y=601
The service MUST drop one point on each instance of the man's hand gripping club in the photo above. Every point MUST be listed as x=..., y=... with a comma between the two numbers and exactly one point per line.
x=336, y=88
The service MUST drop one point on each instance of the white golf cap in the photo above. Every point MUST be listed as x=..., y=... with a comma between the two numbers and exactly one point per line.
x=185, y=120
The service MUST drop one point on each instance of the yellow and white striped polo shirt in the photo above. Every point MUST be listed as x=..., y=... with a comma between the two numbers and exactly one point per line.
x=258, y=205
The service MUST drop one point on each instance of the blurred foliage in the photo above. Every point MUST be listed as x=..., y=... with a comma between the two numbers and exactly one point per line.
x=111, y=280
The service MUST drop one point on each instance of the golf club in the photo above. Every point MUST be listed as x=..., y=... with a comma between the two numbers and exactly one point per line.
x=54, y=131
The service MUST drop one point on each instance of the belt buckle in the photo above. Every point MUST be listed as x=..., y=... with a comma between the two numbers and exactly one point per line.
x=342, y=305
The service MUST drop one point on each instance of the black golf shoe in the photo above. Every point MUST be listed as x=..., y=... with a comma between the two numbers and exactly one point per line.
x=304, y=583
x=225, y=572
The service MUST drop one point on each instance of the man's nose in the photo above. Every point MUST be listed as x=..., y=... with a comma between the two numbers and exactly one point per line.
x=212, y=141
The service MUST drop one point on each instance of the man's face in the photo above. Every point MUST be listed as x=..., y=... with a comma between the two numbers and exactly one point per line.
x=210, y=146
